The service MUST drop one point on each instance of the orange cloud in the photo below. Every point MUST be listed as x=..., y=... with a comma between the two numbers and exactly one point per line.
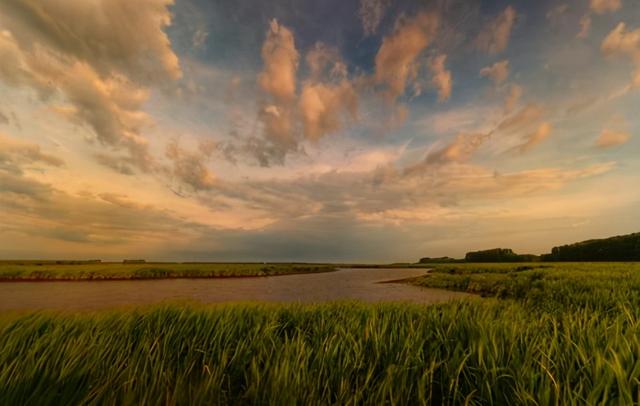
x=104, y=87
x=280, y=58
x=395, y=62
x=15, y=154
x=611, y=138
x=130, y=34
x=441, y=77
x=498, y=72
x=190, y=167
x=605, y=6
x=321, y=106
x=494, y=38
x=536, y=137
x=623, y=42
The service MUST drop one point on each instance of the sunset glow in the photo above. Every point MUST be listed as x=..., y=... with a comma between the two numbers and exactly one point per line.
x=371, y=130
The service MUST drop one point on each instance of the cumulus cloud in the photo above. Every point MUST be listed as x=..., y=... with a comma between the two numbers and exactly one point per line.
x=441, y=77
x=498, y=72
x=280, y=57
x=92, y=74
x=371, y=13
x=620, y=41
x=535, y=138
x=115, y=35
x=278, y=81
x=324, y=62
x=16, y=154
x=605, y=6
x=610, y=138
x=322, y=106
x=494, y=37
x=395, y=62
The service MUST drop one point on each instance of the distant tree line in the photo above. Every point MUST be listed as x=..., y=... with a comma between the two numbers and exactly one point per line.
x=618, y=248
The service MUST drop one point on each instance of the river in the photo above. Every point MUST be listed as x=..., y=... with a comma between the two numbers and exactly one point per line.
x=344, y=284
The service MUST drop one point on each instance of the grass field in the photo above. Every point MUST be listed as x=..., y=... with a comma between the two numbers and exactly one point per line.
x=549, y=286
x=49, y=270
x=562, y=334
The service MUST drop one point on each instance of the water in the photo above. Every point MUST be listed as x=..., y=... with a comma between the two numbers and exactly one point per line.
x=344, y=284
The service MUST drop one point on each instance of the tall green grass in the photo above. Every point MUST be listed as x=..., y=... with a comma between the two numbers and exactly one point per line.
x=462, y=353
x=550, y=287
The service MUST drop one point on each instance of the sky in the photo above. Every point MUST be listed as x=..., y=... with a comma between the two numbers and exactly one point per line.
x=337, y=130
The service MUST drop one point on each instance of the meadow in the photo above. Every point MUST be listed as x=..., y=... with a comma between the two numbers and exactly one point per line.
x=558, y=334
x=78, y=270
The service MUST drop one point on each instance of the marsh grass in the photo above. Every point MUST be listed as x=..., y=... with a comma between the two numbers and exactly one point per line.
x=550, y=287
x=11, y=271
x=475, y=352
x=562, y=334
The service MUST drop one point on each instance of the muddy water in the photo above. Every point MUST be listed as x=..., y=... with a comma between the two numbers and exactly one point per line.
x=344, y=284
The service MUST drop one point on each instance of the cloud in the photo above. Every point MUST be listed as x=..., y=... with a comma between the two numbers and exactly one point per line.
x=4, y=119
x=189, y=168
x=280, y=57
x=605, y=6
x=278, y=81
x=623, y=42
x=322, y=106
x=521, y=119
x=611, y=138
x=464, y=145
x=440, y=77
x=395, y=62
x=92, y=74
x=120, y=164
x=536, y=137
x=498, y=72
x=371, y=13
x=459, y=150
x=138, y=48
x=199, y=38
x=324, y=62
x=513, y=97
x=16, y=154
x=494, y=37
x=585, y=26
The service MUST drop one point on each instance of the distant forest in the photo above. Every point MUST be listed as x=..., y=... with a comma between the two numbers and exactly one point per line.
x=618, y=248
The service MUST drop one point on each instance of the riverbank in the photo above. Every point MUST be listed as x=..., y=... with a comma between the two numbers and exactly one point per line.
x=51, y=271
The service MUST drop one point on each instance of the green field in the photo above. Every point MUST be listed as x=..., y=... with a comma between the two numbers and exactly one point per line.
x=50, y=270
x=562, y=334
x=551, y=287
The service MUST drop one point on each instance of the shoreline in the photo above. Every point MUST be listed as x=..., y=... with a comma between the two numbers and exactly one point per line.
x=147, y=278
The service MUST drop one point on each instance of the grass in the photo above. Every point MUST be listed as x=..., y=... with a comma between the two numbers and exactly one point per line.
x=552, y=334
x=38, y=271
x=474, y=353
x=551, y=287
